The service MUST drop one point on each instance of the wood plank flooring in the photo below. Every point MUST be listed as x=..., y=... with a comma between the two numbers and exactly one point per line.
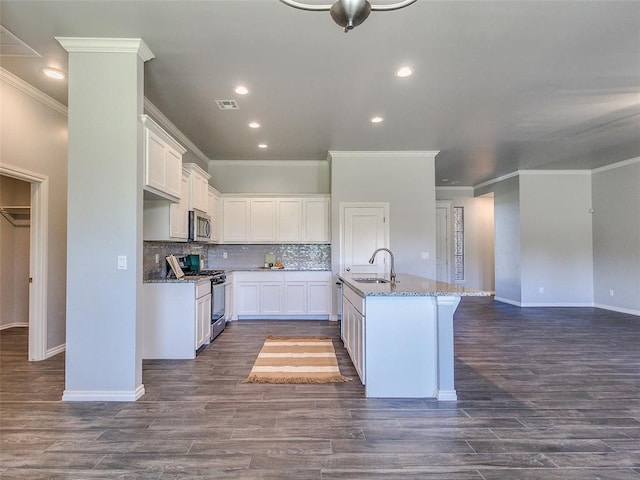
x=547, y=393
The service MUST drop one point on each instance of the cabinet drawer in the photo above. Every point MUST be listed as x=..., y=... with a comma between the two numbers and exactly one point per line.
x=355, y=299
x=203, y=288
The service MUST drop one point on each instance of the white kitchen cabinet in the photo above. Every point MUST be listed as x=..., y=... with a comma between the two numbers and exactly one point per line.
x=276, y=219
x=316, y=220
x=162, y=162
x=176, y=319
x=353, y=329
x=289, y=218
x=263, y=220
x=198, y=187
x=214, y=212
x=167, y=221
x=235, y=220
x=276, y=294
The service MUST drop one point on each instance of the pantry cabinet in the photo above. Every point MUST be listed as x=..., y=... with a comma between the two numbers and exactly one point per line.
x=162, y=162
x=276, y=219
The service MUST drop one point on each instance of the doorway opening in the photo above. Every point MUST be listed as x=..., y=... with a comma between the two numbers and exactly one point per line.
x=37, y=257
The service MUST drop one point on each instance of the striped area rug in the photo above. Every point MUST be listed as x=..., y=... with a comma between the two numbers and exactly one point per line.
x=296, y=360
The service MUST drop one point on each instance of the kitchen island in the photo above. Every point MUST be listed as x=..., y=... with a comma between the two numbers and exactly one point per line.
x=400, y=334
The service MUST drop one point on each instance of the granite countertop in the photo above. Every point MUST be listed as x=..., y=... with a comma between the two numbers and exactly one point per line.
x=185, y=279
x=408, y=286
x=284, y=269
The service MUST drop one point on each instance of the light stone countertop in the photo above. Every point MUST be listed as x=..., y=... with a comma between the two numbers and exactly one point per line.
x=408, y=286
x=185, y=279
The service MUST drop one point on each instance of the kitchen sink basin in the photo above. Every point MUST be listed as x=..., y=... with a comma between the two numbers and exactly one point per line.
x=371, y=280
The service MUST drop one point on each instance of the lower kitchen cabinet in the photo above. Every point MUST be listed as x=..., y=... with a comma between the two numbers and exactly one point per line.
x=276, y=294
x=176, y=319
x=353, y=329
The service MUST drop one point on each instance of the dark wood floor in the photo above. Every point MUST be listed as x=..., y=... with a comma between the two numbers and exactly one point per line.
x=543, y=394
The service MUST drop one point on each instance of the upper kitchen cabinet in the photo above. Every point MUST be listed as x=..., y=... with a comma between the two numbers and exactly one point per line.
x=198, y=188
x=316, y=220
x=167, y=221
x=303, y=219
x=215, y=214
x=162, y=162
x=235, y=220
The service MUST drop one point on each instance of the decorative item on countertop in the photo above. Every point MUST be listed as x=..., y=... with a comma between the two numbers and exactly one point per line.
x=175, y=267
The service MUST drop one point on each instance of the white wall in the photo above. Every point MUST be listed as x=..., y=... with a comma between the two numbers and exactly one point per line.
x=616, y=236
x=478, y=235
x=555, y=238
x=508, y=276
x=266, y=176
x=14, y=256
x=33, y=137
x=404, y=179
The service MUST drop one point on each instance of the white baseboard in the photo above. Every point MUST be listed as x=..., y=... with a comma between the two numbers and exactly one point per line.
x=446, y=395
x=555, y=304
x=56, y=350
x=630, y=311
x=102, y=396
x=506, y=300
x=14, y=325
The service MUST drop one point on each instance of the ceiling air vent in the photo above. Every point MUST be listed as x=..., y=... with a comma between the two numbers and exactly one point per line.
x=227, y=105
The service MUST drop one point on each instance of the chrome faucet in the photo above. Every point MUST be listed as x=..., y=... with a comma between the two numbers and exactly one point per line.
x=393, y=270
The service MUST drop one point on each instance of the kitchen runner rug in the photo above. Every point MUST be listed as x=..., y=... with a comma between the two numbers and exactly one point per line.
x=296, y=360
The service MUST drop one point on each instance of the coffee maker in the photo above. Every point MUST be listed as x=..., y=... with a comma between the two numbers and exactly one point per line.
x=190, y=263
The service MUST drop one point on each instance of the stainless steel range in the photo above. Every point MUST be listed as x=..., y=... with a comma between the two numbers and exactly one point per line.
x=218, y=321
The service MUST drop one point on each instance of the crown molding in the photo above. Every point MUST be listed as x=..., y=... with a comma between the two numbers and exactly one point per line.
x=620, y=164
x=383, y=153
x=270, y=163
x=168, y=125
x=107, y=45
x=16, y=82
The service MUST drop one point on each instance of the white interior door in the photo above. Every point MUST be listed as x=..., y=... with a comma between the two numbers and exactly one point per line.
x=443, y=272
x=364, y=229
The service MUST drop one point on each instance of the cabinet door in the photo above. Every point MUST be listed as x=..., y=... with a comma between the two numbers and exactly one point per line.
x=203, y=320
x=271, y=298
x=173, y=173
x=212, y=211
x=316, y=220
x=248, y=298
x=295, y=298
x=319, y=294
x=263, y=220
x=200, y=192
x=156, y=172
x=235, y=218
x=179, y=214
x=289, y=219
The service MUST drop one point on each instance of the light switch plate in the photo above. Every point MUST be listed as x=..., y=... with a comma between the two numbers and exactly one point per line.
x=122, y=262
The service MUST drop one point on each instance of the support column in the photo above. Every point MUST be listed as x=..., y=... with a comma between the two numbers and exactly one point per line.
x=446, y=307
x=104, y=219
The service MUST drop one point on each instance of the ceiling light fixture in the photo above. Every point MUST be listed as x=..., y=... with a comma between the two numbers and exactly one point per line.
x=254, y=125
x=53, y=73
x=349, y=13
x=377, y=120
x=262, y=145
x=241, y=90
x=404, y=72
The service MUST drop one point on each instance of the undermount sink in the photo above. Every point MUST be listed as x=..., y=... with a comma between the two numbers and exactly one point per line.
x=370, y=280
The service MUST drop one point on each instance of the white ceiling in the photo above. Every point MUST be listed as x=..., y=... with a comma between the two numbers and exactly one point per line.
x=498, y=85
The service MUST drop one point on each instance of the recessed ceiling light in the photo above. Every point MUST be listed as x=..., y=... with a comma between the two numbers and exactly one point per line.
x=53, y=73
x=262, y=145
x=404, y=72
x=254, y=125
x=241, y=90
x=377, y=119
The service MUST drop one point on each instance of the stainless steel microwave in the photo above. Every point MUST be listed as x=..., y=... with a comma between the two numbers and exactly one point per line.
x=199, y=226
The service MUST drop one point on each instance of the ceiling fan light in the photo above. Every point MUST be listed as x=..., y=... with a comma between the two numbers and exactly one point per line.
x=350, y=13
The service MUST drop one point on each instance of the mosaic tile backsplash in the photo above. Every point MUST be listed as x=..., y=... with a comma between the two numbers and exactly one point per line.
x=292, y=256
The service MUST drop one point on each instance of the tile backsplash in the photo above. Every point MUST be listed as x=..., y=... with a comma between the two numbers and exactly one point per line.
x=295, y=256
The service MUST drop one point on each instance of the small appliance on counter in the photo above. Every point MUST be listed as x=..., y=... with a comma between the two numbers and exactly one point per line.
x=190, y=263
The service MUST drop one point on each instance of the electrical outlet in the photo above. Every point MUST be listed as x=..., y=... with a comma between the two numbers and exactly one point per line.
x=157, y=258
x=224, y=254
x=611, y=292
x=541, y=289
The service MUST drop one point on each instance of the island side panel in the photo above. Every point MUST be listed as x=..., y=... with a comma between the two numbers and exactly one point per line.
x=400, y=347
x=446, y=307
